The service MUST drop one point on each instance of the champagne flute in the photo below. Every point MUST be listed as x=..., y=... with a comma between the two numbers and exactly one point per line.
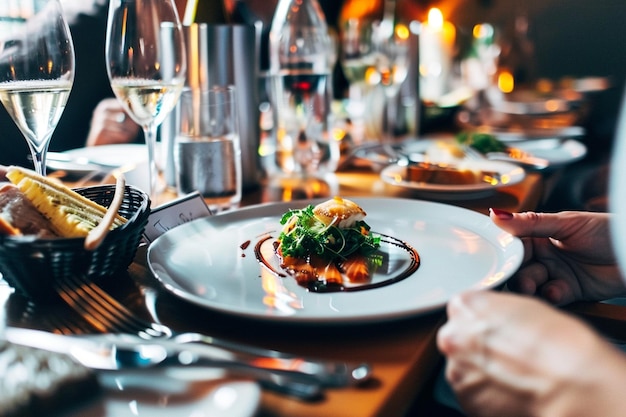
x=146, y=64
x=36, y=71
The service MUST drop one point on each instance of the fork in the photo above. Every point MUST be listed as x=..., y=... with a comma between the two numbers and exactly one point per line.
x=106, y=314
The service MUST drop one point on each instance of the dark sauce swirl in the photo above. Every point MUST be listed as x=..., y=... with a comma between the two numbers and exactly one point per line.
x=266, y=253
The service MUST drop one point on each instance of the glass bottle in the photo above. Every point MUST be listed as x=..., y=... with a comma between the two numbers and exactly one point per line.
x=301, y=59
x=205, y=11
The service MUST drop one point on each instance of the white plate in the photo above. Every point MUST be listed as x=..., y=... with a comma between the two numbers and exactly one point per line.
x=557, y=152
x=112, y=155
x=211, y=262
x=154, y=394
x=131, y=158
x=510, y=174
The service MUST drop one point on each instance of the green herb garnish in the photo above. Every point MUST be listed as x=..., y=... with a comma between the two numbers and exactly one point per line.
x=482, y=142
x=308, y=235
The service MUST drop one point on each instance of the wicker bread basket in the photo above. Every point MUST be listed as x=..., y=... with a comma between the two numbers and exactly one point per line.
x=32, y=265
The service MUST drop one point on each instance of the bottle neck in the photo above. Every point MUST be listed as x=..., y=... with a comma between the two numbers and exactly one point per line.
x=205, y=11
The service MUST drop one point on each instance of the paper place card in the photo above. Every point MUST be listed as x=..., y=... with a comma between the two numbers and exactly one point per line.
x=175, y=213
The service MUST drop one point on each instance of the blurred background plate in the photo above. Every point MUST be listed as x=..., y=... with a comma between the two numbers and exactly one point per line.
x=509, y=173
x=81, y=161
x=78, y=163
x=558, y=152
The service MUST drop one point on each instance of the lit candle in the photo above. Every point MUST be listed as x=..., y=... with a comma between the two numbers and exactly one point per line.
x=437, y=38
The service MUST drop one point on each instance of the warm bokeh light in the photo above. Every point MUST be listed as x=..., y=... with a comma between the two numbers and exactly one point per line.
x=359, y=9
x=506, y=82
x=449, y=33
x=482, y=31
x=544, y=86
x=402, y=32
x=553, y=105
x=435, y=18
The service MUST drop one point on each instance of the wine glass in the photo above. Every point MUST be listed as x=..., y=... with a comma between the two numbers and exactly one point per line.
x=146, y=64
x=357, y=62
x=301, y=60
x=36, y=71
x=390, y=49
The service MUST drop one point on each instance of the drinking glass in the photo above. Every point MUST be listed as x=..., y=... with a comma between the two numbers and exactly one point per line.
x=207, y=150
x=305, y=153
x=390, y=48
x=357, y=62
x=146, y=64
x=36, y=71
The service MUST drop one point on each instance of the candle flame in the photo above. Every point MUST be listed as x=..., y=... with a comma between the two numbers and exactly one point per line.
x=435, y=18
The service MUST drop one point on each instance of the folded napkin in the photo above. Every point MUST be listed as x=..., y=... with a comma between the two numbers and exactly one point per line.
x=37, y=382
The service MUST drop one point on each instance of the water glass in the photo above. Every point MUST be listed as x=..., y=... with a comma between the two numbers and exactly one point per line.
x=207, y=150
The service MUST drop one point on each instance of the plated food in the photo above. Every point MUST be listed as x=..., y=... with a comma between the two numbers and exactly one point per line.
x=327, y=244
x=446, y=174
x=213, y=262
x=470, y=179
x=536, y=154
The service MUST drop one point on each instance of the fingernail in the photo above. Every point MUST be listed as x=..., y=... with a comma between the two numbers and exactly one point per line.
x=501, y=214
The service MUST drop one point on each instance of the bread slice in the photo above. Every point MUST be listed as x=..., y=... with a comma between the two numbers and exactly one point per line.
x=71, y=214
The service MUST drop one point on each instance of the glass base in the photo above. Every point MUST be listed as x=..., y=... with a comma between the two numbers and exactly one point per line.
x=289, y=188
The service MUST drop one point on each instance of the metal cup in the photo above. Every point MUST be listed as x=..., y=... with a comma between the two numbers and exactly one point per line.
x=207, y=150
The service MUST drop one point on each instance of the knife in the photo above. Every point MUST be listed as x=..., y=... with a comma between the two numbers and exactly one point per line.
x=117, y=352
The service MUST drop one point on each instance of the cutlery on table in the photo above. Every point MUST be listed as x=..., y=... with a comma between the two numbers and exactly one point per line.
x=109, y=316
x=121, y=352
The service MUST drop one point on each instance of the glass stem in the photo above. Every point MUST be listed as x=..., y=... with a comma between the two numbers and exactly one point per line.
x=150, y=134
x=39, y=157
x=391, y=112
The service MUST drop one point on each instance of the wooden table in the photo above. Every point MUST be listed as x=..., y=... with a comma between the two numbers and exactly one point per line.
x=403, y=353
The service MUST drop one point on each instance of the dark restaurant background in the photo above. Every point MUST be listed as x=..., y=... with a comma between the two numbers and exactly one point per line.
x=570, y=38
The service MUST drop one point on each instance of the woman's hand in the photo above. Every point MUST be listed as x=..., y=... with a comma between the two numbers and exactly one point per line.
x=511, y=355
x=568, y=255
x=110, y=125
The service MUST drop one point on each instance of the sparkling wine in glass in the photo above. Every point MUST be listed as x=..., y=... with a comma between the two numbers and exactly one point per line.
x=146, y=64
x=36, y=71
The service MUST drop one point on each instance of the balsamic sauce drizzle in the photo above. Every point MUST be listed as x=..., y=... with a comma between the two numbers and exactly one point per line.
x=320, y=285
